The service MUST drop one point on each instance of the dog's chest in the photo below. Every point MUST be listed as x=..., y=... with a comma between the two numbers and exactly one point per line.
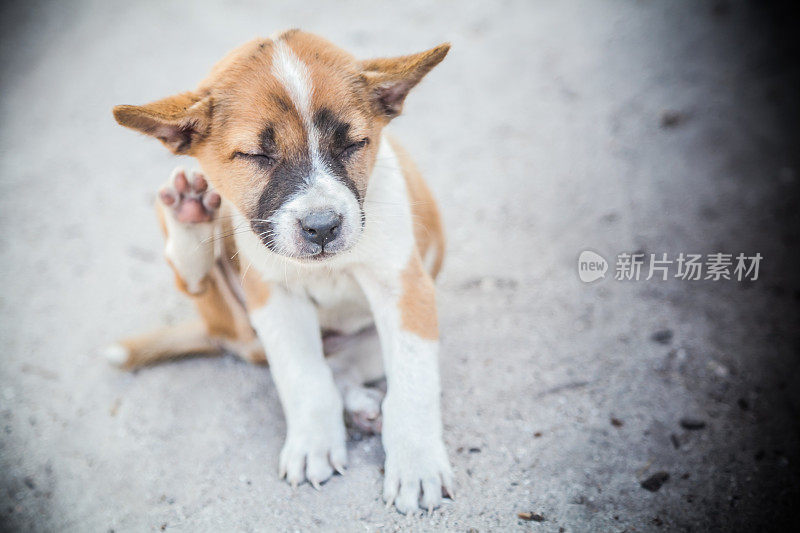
x=340, y=302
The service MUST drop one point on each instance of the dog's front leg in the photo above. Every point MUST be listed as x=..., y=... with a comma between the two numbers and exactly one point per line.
x=288, y=327
x=404, y=304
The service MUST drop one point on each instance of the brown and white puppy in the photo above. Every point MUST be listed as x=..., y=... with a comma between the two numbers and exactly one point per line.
x=314, y=222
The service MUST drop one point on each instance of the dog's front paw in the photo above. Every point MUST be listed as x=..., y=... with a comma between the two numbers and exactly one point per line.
x=416, y=471
x=313, y=453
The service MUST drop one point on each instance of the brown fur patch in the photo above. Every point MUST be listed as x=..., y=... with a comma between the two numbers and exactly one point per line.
x=417, y=302
x=224, y=325
x=388, y=80
x=217, y=308
x=256, y=290
x=428, y=232
x=166, y=343
x=179, y=121
x=224, y=316
x=247, y=99
x=338, y=87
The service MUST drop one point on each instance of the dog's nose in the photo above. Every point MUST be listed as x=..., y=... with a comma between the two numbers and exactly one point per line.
x=321, y=227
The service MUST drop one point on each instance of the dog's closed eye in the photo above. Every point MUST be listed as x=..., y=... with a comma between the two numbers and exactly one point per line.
x=262, y=160
x=352, y=149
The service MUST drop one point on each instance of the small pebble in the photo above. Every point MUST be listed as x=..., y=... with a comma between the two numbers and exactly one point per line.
x=662, y=336
x=743, y=404
x=671, y=119
x=654, y=482
x=531, y=517
x=719, y=369
x=692, y=423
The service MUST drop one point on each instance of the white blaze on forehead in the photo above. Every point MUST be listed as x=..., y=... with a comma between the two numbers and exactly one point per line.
x=322, y=190
x=293, y=75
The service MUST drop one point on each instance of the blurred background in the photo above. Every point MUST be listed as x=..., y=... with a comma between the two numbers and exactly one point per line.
x=551, y=128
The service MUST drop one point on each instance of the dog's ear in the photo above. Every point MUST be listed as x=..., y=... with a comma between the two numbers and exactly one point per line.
x=178, y=121
x=390, y=79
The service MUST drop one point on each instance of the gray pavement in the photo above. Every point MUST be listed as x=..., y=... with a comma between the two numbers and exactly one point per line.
x=552, y=127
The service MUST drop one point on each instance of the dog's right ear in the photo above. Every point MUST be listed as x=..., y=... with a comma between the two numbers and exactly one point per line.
x=178, y=121
x=390, y=79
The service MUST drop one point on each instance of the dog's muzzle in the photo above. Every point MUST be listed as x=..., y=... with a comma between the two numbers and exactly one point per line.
x=322, y=218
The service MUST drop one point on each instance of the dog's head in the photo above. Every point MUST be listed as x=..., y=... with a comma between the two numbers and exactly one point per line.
x=287, y=130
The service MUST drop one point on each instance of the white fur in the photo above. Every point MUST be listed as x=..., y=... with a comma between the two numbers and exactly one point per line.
x=341, y=304
x=315, y=442
x=190, y=249
x=412, y=427
x=289, y=327
x=323, y=193
x=429, y=259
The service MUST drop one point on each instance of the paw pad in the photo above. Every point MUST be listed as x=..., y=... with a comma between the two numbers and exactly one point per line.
x=191, y=202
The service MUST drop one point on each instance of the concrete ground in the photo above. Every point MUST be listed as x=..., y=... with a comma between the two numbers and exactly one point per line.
x=552, y=127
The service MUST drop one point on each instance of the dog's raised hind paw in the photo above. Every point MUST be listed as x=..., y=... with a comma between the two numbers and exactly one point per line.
x=363, y=409
x=188, y=210
x=189, y=201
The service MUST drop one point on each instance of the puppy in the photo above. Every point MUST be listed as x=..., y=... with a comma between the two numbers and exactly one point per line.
x=307, y=224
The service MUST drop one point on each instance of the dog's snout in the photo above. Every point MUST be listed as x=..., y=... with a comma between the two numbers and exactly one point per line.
x=321, y=227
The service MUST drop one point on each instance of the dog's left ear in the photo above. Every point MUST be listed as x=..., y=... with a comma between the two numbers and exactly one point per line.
x=390, y=79
x=178, y=121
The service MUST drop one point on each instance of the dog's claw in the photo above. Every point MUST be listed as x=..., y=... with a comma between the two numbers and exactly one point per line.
x=447, y=486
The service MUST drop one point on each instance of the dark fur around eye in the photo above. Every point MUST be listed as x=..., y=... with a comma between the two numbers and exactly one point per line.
x=353, y=148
